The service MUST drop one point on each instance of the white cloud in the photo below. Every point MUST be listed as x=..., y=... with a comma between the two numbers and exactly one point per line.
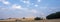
x=16, y=6
x=36, y=5
x=21, y=11
x=25, y=1
x=38, y=0
x=5, y=2
x=24, y=9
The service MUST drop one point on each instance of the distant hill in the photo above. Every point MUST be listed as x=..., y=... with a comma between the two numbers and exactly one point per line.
x=54, y=15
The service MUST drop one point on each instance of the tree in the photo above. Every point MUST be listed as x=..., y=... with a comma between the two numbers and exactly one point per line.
x=37, y=18
x=1, y=19
x=54, y=15
x=23, y=17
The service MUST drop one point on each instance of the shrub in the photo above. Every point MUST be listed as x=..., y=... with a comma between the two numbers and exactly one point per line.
x=37, y=18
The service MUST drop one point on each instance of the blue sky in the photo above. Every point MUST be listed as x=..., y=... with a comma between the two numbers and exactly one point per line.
x=28, y=8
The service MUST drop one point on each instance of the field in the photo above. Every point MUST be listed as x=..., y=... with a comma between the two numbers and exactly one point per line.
x=52, y=20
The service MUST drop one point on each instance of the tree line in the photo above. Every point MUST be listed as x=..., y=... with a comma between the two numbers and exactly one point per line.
x=55, y=15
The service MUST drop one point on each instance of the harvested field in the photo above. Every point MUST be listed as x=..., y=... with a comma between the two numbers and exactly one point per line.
x=51, y=20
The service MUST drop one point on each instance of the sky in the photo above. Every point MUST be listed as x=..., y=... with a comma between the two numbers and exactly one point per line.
x=28, y=8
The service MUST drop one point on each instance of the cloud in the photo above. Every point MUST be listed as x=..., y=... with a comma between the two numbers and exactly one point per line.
x=19, y=7
x=25, y=1
x=20, y=11
x=5, y=2
x=38, y=0
x=36, y=5
x=15, y=6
